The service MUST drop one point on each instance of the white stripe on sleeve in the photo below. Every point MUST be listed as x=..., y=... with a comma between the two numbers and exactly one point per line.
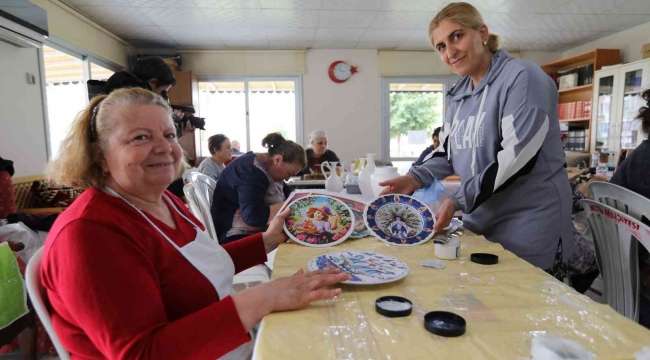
x=509, y=162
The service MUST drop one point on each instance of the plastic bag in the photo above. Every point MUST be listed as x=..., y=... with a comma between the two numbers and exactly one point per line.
x=13, y=297
x=21, y=233
x=430, y=194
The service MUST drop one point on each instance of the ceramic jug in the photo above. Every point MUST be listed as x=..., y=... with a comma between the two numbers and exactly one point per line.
x=382, y=174
x=334, y=182
x=367, y=167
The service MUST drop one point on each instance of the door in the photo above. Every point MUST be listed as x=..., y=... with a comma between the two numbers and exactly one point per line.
x=634, y=80
x=604, y=111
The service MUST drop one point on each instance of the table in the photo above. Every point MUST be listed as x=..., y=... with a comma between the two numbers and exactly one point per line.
x=505, y=306
x=307, y=184
x=574, y=173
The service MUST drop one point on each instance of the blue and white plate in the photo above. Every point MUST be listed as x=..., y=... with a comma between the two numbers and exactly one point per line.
x=366, y=267
x=399, y=220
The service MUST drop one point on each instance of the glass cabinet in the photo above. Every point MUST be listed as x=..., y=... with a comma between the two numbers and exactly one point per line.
x=617, y=100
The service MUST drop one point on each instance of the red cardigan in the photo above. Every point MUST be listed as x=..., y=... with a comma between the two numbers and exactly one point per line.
x=118, y=290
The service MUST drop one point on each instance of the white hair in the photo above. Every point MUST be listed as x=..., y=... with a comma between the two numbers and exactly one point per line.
x=317, y=134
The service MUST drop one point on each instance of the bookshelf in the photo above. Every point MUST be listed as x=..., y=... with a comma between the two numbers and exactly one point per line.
x=575, y=104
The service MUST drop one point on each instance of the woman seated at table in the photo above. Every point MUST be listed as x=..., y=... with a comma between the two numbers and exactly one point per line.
x=251, y=189
x=219, y=147
x=514, y=187
x=128, y=271
x=633, y=175
x=318, y=153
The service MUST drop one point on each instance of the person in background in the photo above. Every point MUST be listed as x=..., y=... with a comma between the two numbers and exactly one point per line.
x=147, y=281
x=219, y=147
x=632, y=174
x=153, y=74
x=236, y=149
x=501, y=136
x=251, y=189
x=436, y=142
x=634, y=170
x=318, y=153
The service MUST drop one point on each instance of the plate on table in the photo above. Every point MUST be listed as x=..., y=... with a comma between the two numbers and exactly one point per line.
x=319, y=221
x=454, y=225
x=366, y=267
x=399, y=220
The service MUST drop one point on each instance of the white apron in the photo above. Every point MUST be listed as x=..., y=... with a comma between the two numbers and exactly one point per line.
x=211, y=260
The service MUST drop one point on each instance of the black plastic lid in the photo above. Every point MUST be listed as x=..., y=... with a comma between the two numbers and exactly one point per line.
x=444, y=323
x=393, y=313
x=484, y=259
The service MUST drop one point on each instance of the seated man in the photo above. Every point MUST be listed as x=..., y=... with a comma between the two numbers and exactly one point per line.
x=436, y=142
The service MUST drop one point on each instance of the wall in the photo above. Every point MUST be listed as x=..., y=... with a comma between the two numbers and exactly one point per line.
x=244, y=62
x=22, y=127
x=540, y=57
x=629, y=41
x=348, y=112
x=69, y=25
x=411, y=63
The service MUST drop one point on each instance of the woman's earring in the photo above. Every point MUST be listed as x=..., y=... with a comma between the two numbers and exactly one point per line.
x=485, y=43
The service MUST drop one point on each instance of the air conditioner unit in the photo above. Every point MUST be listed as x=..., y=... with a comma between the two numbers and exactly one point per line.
x=23, y=24
x=12, y=38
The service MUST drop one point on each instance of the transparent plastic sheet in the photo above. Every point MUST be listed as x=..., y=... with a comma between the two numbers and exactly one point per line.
x=505, y=306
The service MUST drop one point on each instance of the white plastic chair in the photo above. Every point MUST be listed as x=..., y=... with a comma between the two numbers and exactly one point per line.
x=616, y=237
x=37, y=295
x=200, y=209
x=204, y=184
x=622, y=199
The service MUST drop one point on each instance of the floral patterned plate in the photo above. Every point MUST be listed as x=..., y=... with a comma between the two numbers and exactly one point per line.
x=366, y=268
x=399, y=220
x=319, y=221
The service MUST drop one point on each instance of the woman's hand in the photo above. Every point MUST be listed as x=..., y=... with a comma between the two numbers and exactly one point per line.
x=284, y=294
x=297, y=291
x=402, y=185
x=274, y=234
x=444, y=215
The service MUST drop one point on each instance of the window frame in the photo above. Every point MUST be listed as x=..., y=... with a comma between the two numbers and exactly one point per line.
x=297, y=79
x=447, y=82
x=86, y=58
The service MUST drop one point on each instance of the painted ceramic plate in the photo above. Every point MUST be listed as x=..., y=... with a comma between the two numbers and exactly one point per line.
x=319, y=221
x=399, y=220
x=454, y=225
x=366, y=268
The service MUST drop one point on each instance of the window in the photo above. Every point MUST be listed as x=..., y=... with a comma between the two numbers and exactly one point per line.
x=411, y=109
x=248, y=109
x=66, y=93
x=98, y=72
x=66, y=76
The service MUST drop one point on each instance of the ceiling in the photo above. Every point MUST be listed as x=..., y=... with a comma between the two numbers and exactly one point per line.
x=544, y=25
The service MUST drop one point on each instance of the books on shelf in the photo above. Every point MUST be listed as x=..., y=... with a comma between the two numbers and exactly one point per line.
x=576, y=140
x=574, y=110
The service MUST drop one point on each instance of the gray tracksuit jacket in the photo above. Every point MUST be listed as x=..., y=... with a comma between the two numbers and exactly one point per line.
x=503, y=139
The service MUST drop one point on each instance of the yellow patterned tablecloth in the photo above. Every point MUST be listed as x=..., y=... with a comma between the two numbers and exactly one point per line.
x=505, y=305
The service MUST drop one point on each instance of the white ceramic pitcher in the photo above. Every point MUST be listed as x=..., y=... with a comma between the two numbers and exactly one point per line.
x=364, y=176
x=334, y=182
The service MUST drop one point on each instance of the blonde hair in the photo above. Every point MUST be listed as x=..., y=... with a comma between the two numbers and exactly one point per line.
x=464, y=14
x=79, y=162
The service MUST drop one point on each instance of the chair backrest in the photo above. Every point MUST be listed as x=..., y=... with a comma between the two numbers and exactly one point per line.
x=36, y=294
x=616, y=237
x=622, y=199
x=200, y=209
x=205, y=185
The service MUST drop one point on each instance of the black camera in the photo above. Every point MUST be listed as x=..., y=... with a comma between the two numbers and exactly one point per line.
x=188, y=111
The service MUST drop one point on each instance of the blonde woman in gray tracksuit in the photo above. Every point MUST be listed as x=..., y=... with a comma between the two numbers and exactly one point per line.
x=502, y=136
